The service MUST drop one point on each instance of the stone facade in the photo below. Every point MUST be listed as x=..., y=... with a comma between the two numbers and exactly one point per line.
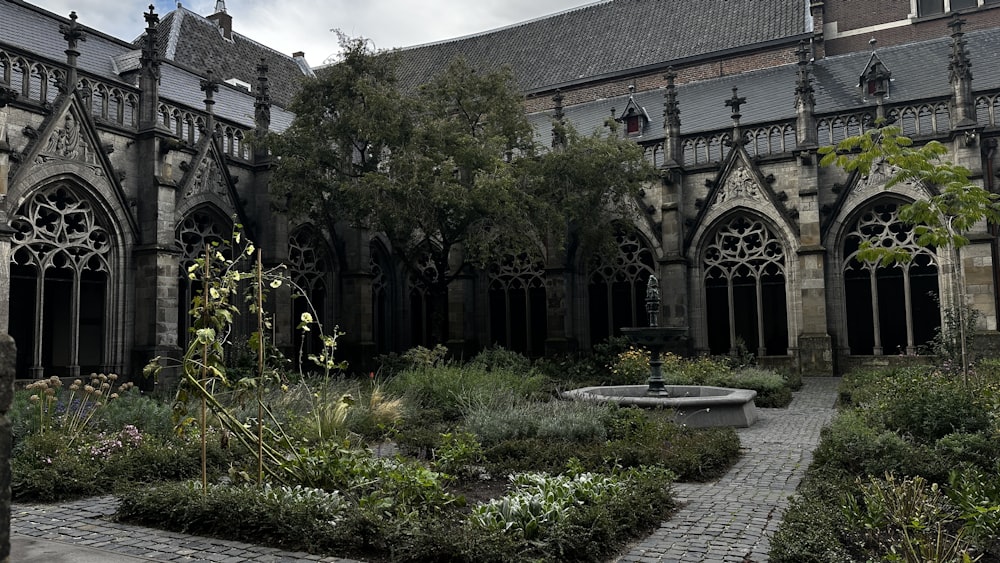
x=113, y=178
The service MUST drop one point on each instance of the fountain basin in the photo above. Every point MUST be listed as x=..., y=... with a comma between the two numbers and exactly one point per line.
x=698, y=406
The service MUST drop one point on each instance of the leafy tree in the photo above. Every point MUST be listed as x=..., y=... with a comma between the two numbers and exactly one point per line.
x=451, y=174
x=941, y=221
x=582, y=184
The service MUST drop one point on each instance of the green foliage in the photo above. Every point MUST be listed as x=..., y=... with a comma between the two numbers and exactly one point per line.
x=630, y=437
x=893, y=452
x=630, y=367
x=297, y=518
x=568, y=421
x=458, y=455
x=926, y=404
x=905, y=520
x=449, y=390
x=566, y=517
x=498, y=358
x=72, y=412
x=976, y=495
x=49, y=466
x=811, y=528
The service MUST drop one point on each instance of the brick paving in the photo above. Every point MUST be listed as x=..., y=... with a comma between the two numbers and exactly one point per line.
x=732, y=519
x=729, y=520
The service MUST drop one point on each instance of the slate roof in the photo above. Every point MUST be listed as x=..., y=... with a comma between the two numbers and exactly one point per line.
x=196, y=42
x=919, y=72
x=36, y=31
x=609, y=37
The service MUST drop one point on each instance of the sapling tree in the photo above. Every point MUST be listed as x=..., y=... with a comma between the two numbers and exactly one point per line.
x=942, y=221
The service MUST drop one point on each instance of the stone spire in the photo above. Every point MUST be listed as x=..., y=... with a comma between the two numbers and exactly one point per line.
x=149, y=78
x=805, y=101
x=73, y=35
x=963, y=103
x=558, y=123
x=210, y=85
x=262, y=104
x=671, y=121
x=735, y=102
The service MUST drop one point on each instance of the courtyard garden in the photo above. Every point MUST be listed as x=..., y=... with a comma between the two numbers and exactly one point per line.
x=428, y=459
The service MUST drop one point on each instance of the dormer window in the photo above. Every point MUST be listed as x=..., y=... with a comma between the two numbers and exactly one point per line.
x=876, y=78
x=634, y=117
x=632, y=125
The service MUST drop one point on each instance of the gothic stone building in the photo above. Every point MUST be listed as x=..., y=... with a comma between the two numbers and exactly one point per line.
x=120, y=160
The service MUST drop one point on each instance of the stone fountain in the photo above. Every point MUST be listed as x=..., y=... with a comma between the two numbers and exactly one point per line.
x=695, y=405
x=654, y=338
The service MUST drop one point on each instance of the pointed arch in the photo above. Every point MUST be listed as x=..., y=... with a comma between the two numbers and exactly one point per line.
x=203, y=227
x=384, y=306
x=516, y=294
x=67, y=282
x=617, y=284
x=887, y=309
x=311, y=266
x=744, y=282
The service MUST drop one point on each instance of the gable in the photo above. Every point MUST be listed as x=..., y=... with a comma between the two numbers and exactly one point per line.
x=740, y=184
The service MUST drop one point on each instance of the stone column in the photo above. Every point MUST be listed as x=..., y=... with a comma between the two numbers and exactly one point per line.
x=815, y=347
x=8, y=362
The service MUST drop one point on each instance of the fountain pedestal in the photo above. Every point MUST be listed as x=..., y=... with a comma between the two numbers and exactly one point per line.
x=655, y=339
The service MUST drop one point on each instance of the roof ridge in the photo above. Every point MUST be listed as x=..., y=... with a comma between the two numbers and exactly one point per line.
x=204, y=20
x=506, y=27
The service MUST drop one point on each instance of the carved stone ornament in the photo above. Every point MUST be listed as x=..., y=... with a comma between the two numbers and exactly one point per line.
x=207, y=179
x=874, y=181
x=740, y=185
x=66, y=142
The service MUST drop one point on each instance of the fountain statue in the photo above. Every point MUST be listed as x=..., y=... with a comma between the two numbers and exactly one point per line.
x=654, y=338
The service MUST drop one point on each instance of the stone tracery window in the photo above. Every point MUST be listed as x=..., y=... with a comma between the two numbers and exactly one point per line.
x=517, y=305
x=383, y=313
x=198, y=231
x=422, y=306
x=890, y=309
x=310, y=266
x=745, y=288
x=617, y=288
x=62, y=263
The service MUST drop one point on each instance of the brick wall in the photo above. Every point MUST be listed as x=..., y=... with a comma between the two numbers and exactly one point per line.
x=919, y=30
x=654, y=80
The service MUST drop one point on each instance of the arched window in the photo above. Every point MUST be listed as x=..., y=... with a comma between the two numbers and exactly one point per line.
x=310, y=267
x=61, y=291
x=745, y=289
x=890, y=309
x=617, y=289
x=383, y=311
x=517, y=305
x=422, y=305
x=199, y=231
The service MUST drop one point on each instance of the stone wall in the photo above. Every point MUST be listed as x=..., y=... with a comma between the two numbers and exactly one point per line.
x=8, y=356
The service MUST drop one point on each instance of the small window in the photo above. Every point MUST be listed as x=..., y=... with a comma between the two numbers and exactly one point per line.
x=632, y=125
x=963, y=4
x=930, y=7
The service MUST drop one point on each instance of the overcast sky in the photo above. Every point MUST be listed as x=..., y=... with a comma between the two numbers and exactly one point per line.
x=305, y=25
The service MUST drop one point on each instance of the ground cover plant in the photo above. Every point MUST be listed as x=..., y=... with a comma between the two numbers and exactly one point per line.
x=909, y=470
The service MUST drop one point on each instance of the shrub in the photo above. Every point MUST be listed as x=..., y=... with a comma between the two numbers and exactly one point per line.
x=630, y=367
x=577, y=517
x=570, y=421
x=908, y=518
x=809, y=533
x=297, y=518
x=450, y=389
x=922, y=403
x=498, y=358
